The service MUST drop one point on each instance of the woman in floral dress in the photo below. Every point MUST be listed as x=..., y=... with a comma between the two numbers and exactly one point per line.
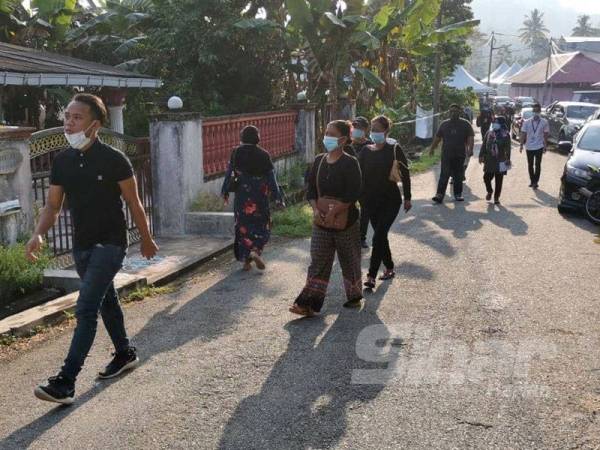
x=251, y=176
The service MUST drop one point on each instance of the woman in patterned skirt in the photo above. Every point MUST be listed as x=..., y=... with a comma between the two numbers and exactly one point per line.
x=336, y=175
x=251, y=176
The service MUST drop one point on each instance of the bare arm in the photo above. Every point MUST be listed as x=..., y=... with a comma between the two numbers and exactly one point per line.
x=130, y=195
x=470, y=145
x=48, y=218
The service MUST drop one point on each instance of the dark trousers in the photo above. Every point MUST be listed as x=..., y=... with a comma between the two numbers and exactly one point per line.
x=324, y=245
x=487, y=179
x=364, y=222
x=97, y=268
x=382, y=217
x=534, y=164
x=452, y=167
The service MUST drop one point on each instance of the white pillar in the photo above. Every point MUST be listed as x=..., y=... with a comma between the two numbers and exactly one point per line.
x=177, y=168
x=116, y=118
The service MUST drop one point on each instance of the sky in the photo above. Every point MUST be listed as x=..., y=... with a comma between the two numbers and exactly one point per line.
x=560, y=16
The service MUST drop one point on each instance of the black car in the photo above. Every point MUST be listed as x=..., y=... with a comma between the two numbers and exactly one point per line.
x=584, y=157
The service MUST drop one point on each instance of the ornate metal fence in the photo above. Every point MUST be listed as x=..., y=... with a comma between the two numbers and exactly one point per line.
x=45, y=145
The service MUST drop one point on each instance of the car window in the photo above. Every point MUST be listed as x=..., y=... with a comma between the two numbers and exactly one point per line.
x=580, y=112
x=590, y=139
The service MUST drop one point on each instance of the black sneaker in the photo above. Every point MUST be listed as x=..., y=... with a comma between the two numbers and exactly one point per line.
x=121, y=362
x=459, y=198
x=363, y=244
x=437, y=199
x=58, y=390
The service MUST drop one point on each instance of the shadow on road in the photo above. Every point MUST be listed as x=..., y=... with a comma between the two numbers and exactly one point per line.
x=203, y=318
x=305, y=399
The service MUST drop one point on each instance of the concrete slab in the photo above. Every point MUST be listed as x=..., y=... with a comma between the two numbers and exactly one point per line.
x=177, y=254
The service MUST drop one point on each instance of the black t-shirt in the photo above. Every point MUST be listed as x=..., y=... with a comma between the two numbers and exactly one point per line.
x=455, y=134
x=357, y=148
x=341, y=180
x=376, y=166
x=90, y=181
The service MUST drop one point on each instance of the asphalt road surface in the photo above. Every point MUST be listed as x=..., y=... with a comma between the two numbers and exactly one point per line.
x=487, y=338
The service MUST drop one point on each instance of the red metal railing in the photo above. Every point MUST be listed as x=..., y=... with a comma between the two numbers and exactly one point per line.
x=220, y=135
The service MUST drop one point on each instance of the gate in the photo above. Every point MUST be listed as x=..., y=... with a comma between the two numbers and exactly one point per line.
x=45, y=145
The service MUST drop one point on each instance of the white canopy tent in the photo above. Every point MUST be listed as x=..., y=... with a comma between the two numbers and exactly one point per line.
x=462, y=79
x=503, y=78
x=499, y=71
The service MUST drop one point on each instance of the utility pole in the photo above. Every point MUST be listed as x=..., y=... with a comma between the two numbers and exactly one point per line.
x=547, y=70
x=437, y=83
x=492, y=42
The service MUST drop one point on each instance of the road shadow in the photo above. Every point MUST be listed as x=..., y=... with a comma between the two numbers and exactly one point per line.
x=305, y=400
x=204, y=318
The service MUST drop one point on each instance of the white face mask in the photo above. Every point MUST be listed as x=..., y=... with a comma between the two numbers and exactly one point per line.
x=78, y=140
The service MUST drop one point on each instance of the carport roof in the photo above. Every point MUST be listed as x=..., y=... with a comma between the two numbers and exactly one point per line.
x=22, y=66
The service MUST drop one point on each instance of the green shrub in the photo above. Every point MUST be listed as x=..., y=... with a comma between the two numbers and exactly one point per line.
x=208, y=202
x=18, y=276
x=293, y=177
x=425, y=162
x=295, y=221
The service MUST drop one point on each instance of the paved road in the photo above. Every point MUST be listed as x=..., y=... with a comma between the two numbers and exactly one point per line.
x=488, y=338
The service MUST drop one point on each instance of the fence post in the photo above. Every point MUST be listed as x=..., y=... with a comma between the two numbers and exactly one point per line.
x=305, y=131
x=177, y=168
x=16, y=184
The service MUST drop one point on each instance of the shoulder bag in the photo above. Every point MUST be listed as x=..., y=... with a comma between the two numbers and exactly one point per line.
x=326, y=204
x=395, y=175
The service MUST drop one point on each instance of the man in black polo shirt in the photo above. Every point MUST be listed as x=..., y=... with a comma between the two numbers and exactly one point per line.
x=93, y=177
x=458, y=140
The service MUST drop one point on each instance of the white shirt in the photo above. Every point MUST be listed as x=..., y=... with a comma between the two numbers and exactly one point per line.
x=535, y=133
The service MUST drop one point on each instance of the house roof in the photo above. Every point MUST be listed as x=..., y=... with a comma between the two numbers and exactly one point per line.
x=566, y=68
x=24, y=66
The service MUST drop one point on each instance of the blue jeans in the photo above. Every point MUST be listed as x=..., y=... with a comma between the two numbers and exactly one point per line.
x=97, y=268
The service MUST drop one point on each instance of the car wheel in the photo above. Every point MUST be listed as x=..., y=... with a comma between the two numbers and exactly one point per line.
x=562, y=210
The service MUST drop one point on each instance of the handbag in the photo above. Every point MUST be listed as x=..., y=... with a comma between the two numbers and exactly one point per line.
x=234, y=183
x=326, y=204
x=395, y=175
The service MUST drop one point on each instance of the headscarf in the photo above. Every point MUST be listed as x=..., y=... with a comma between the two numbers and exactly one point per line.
x=496, y=135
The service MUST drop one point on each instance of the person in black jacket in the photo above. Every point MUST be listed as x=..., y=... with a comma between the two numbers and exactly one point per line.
x=381, y=196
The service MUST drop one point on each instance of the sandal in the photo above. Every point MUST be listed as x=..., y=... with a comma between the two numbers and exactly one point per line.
x=387, y=275
x=260, y=264
x=370, y=283
x=301, y=311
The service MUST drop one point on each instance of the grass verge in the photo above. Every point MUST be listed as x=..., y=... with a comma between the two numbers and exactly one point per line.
x=18, y=276
x=426, y=162
x=295, y=221
x=147, y=292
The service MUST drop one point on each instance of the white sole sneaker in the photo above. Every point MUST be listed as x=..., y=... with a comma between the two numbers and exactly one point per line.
x=129, y=366
x=43, y=395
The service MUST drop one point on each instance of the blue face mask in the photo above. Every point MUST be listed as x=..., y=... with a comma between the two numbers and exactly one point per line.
x=377, y=137
x=357, y=133
x=330, y=143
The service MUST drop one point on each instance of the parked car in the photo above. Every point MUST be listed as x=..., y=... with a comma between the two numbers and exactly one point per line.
x=586, y=96
x=524, y=102
x=566, y=118
x=520, y=117
x=500, y=102
x=581, y=168
x=595, y=116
